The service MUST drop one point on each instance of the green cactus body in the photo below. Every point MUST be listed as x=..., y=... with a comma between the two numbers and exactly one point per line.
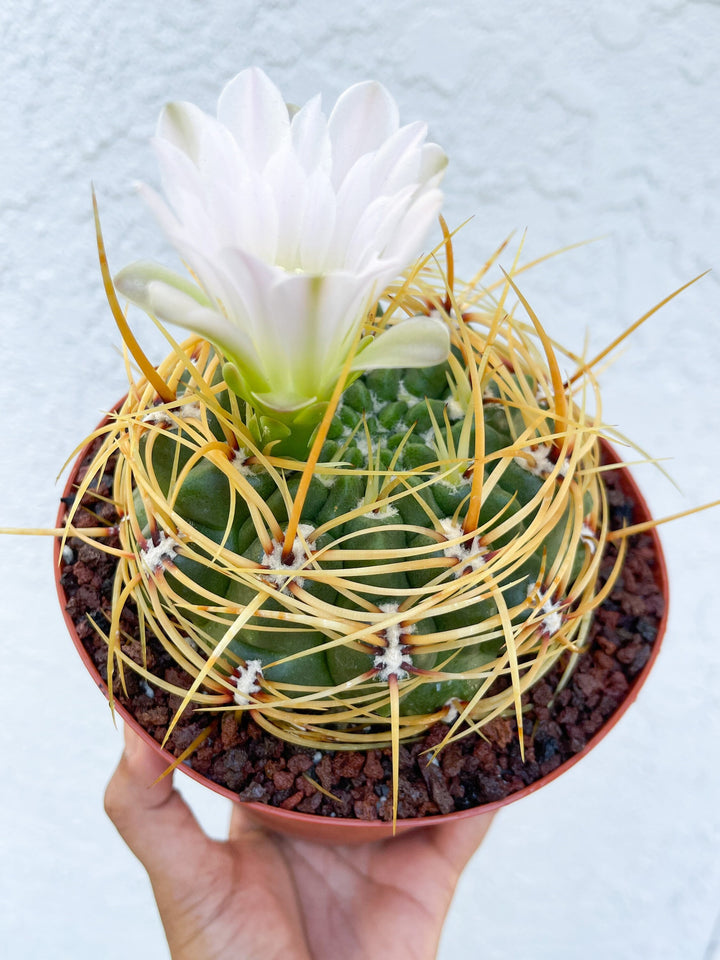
x=382, y=584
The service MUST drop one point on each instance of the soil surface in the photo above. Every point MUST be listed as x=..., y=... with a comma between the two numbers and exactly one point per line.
x=470, y=772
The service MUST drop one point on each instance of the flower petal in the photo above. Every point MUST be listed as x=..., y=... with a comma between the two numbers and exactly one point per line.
x=414, y=228
x=254, y=111
x=310, y=137
x=318, y=225
x=172, y=299
x=283, y=402
x=433, y=163
x=134, y=282
x=287, y=181
x=376, y=229
x=180, y=124
x=362, y=119
x=180, y=180
x=415, y=342
x=163, y=214
x=397, y=162
x=169, y=304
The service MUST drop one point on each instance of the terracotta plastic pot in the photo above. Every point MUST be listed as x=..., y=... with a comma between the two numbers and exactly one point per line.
x=344, y=830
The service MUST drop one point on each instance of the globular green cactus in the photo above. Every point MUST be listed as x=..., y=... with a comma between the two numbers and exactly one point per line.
x=430, y=559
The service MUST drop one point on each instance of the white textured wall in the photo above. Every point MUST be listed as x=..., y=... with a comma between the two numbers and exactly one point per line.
x=574, y=120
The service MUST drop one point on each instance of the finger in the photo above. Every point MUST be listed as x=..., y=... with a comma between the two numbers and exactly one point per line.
x=243, y=825
x=151, y=817
x=459, y=839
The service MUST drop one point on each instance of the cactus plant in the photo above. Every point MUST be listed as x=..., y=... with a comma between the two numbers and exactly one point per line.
x=361, y=497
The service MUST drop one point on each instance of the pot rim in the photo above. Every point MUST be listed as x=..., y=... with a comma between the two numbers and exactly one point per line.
x=356, y=830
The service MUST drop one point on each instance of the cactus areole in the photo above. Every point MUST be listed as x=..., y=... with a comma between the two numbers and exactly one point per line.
x=360, y=498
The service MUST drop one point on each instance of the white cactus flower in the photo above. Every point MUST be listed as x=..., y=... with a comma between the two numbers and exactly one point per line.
x=292, y=225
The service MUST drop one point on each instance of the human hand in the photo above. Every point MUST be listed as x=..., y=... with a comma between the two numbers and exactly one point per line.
x=264, y=895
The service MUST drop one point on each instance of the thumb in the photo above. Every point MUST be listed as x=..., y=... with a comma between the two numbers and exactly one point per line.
x=152, y=818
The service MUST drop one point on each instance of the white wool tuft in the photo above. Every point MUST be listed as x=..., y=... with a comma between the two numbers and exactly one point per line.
x=153, y=556
x=394, y=655
x=246, y=681
x=274, y=560
x=469, y=554
x=542, y=465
